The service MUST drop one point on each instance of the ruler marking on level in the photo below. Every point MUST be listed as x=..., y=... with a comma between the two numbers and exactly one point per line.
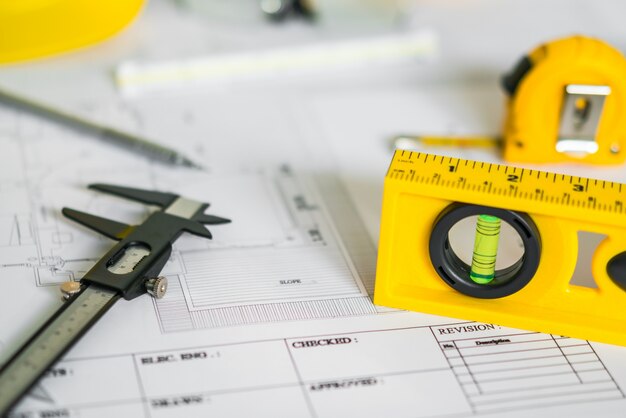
x=520, y=186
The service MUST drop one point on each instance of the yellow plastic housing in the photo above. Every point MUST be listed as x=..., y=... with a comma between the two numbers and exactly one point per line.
x=534, y=110
x=419, y=186
x=31, y=29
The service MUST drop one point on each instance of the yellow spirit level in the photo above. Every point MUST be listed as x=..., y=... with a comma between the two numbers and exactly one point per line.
x=566, y=102
x=426, y=195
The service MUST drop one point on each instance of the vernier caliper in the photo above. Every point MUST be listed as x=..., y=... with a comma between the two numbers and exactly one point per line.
x=130, y=269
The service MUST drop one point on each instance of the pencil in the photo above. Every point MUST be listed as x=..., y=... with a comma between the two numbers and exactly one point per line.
x=133, y=143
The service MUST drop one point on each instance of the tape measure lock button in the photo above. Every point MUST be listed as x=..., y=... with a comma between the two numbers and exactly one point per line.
x=456, y=273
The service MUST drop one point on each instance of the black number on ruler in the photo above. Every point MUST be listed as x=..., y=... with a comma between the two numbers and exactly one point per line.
x=578, y=188
x=451, y=168
x=513, y=178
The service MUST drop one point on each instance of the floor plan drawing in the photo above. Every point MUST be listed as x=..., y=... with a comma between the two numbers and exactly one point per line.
x=298, y=254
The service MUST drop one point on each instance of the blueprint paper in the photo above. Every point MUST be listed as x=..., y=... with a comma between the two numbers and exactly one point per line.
x=273, y=317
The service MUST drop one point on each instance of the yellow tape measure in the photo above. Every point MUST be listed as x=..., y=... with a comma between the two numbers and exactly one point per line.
x=426, y=196
x=566, y=103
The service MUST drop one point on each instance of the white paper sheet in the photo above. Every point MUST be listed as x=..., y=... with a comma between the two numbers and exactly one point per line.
x=273, y=317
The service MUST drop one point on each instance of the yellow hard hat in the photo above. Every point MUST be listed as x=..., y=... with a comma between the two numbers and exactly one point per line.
x=32, y=29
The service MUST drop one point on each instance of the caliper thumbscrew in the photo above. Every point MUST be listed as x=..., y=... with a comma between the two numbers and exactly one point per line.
x=69, y=288
x=156, y=286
